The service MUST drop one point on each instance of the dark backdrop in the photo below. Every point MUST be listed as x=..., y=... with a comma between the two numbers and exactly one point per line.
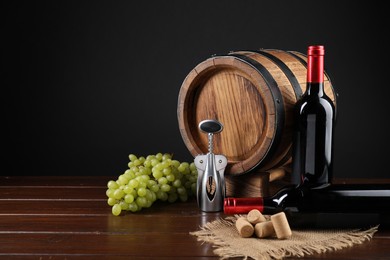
x=85, y=83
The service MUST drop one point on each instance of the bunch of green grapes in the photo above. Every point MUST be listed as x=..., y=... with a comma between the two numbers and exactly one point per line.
x=156, y=177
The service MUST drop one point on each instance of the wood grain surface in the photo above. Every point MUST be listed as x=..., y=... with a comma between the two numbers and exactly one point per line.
x=67, y=217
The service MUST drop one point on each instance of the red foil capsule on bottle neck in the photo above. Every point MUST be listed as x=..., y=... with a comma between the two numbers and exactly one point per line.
x=242, y=205
x=315, y=64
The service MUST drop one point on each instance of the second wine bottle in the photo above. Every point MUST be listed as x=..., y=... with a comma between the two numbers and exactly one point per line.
x=314, y=126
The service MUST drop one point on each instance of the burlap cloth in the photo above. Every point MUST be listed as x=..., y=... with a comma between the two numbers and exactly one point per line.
x=224, y=236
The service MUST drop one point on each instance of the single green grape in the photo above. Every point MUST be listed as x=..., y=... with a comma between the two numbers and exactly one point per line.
x=166, y=164
x=129, y=174
x=143, y=184
x=192, y=166
x=150, y=195
x=170, y=177
x=141, y=202
x=175, y=163
x=129, y=198
x=133, y=183
x=148, y=204
x=123, y=179
x=155, y=161
x=177, y=183
x=162, y=181
x=148, y=163
x=151, y=183
x=159, y=156
x=181, y=190
x=124, y=205
x=157, y=174
x=116, y=209
x=181, y=168
x=186, y=164
x=141, y=192
x=110, y=193
x=128, y=189
x=118, y=194
x=112, y=185
x=159, y=166
x=132, y=157
x=166, y=156
x=165, y=187
x=133, y=207
x=155, y=188
x=167, y=171
x=134, y=193
x=111, y=201
x=137, y=162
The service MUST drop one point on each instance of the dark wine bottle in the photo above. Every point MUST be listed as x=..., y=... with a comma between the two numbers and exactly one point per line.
x=314, y=118
x=344, y=203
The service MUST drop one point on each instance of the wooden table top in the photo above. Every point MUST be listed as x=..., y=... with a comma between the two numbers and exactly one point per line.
x=68, y=218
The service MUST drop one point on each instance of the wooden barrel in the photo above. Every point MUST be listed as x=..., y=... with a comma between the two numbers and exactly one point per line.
x=252, y=93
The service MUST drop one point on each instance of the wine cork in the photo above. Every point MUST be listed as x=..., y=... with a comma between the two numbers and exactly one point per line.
x=244, y=228
x=264, y=229
x=281, y=226
x=254, y=216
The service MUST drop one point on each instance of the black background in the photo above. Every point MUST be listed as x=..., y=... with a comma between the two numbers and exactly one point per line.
x=85, y=83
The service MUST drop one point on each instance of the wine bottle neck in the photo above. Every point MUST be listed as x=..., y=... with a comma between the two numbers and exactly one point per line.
x=315, y=89
x=243, y=205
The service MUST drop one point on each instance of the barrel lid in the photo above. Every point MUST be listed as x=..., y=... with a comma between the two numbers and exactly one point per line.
x=230, y=90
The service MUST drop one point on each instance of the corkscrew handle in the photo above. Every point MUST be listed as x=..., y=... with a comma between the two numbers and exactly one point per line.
x=210, y=127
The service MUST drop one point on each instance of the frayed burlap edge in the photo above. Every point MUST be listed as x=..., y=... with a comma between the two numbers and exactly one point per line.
x=341, y=239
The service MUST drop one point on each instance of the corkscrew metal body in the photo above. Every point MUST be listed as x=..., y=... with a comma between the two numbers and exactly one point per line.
x=211, y=167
